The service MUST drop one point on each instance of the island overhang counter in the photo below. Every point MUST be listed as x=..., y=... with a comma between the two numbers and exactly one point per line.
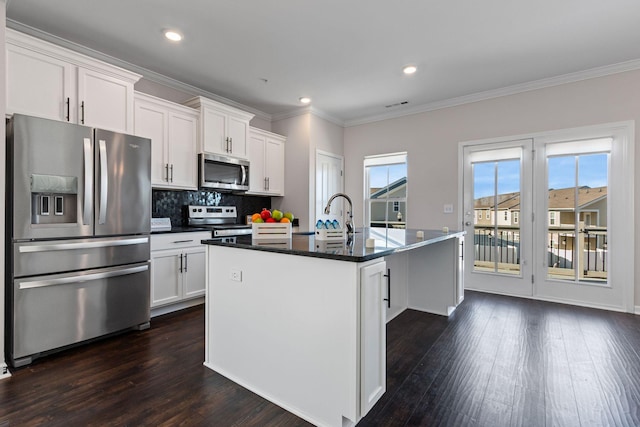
x=301, y=322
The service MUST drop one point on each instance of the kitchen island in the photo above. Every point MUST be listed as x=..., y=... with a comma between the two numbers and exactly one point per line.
x=301, y=322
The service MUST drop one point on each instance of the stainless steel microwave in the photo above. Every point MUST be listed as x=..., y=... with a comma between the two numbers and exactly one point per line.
x=223, y=173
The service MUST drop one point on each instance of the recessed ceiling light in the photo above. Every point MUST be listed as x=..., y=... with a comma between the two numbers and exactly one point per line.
x=305, y=100
x=173, y=35
x=410, y=69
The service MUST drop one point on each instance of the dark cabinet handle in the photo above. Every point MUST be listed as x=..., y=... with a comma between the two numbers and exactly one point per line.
x=68, y=113
x=388, y=299
x=82, y=112
x=180, y=263
x=186, y=257
x=171, y=169
x=166, y=169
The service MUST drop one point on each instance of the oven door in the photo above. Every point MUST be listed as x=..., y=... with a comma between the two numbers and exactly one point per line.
x=223, y=173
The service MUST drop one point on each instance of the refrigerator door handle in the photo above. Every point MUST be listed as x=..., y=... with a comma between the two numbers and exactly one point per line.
x=88, y=182
x=104, y=182
x=82, y=245
x=82, y=277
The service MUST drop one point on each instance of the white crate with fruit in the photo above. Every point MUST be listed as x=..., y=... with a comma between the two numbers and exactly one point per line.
x=271, y=224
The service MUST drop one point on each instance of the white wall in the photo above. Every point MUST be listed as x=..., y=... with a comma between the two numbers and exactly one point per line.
x=431, y=139
x=326, y=136
x=3, y=103
x=297, y=172
x=305, y=134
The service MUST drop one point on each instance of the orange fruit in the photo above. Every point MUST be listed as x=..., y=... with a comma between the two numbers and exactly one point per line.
x=285, y=219
x=255, y=216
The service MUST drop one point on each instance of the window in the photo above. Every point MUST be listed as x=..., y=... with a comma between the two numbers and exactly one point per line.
x=506, y=215
x=386, y=190
x=552, y=218
x=516, y=217
x=487, y=215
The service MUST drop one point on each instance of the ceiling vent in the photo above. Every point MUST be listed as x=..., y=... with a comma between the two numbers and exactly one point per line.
x=397, y=104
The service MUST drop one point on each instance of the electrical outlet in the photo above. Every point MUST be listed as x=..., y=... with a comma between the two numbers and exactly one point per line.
x=236, y=275
x=448, y=208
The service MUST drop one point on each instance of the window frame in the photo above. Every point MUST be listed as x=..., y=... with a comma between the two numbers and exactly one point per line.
x=390, y=159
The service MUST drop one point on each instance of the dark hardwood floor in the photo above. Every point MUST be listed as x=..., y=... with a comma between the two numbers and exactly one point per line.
x=498, y=361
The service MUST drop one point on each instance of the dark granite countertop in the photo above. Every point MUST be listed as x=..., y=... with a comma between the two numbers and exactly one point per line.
x=305, y=244
x=180, y=229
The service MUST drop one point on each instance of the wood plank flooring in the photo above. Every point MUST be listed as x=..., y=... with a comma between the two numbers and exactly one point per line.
x=498, y=361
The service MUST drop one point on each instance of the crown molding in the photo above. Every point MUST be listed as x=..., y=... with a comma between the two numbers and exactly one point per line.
x=307, y=110
x=418, y=109
x=147, y=74
x=505, y=91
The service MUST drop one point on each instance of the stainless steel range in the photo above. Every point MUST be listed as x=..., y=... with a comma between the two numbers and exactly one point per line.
x=221, y=220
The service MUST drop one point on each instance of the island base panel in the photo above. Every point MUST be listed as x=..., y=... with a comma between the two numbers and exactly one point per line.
x=287, y=328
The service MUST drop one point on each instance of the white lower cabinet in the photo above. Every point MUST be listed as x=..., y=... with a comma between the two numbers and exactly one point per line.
x=373, y=335
x=396, y=292
x=177, y=267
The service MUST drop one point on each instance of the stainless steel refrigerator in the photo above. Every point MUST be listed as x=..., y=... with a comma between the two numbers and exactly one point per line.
x=78, y=224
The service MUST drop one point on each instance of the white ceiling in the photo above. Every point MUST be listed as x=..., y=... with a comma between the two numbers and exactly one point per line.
x=348, y=55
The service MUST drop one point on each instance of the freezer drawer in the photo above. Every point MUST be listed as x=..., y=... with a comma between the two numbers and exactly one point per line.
x=56, y=256
x=54, y=311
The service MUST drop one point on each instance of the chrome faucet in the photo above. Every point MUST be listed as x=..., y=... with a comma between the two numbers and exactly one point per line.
x=349, y=222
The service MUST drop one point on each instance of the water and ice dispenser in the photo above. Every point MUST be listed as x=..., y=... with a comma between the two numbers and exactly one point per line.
x=54, y=199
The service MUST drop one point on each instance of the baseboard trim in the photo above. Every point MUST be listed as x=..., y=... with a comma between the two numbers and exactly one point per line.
x=638, y=310
x=559, y=301
x=4, y=371
x=166, y=309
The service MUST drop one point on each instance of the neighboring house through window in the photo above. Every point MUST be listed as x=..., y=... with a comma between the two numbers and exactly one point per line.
x=386, y=190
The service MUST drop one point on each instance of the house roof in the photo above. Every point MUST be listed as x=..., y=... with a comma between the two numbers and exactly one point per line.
x=379, y=192
x=559, y=199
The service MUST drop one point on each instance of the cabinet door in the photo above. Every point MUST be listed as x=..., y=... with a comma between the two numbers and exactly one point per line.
x=256, y=148
x=214, y=131
x=105, y=102
x=274, y=166
x=372, y=336
x=238, y=132
x=151, y=122
x=166, y=277
x=39, y=85
x=183, y=130
x=194, y=272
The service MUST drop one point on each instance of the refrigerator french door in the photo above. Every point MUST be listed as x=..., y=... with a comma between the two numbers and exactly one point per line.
x=79, y=217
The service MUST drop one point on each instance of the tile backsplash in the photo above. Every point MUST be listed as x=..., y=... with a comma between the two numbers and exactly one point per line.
x=172, y=204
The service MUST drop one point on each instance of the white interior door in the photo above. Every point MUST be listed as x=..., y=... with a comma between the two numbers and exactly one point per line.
x=497, y=217
x=329, y=181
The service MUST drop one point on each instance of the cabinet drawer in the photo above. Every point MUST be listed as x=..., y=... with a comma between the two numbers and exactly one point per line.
x=166, y=241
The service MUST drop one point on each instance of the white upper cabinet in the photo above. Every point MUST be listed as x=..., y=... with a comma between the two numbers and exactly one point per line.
x=173, y=131
x=38, y=84
x=223, y=129
x=49, y=81
x=266, y=163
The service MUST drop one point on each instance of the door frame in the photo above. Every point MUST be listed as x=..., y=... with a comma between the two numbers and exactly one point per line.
x=624, y=149
x=508, y=284
x=338, y=202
